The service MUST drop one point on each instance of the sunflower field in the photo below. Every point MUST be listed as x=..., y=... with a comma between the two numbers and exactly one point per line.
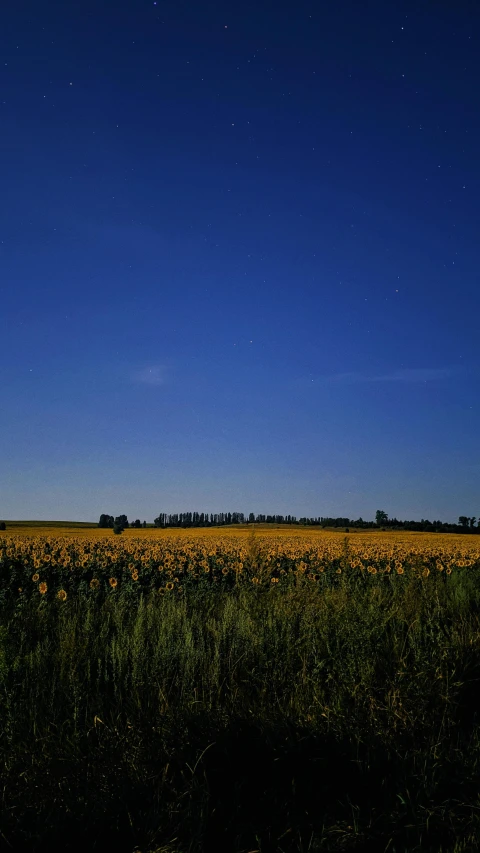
x=239, y=690
x=71, y=565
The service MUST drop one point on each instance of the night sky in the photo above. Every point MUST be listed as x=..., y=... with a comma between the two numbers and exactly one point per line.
x=239, y=258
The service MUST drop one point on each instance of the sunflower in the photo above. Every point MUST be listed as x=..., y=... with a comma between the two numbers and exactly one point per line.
x=35, y=577
x=169, y=585
x=161, y=590
x=255, y=580
x=400, y=570
x=338, y=572
x=224, y=571
x=43, y=588
x=135, y=576
x=113, y=582
x=426, y=572
x=62, y=595
x=448, y=571
x=94, y=583
x=274, y=580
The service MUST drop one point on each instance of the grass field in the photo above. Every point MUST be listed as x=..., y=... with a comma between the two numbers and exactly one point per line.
x=277, y=690
x=51, y=525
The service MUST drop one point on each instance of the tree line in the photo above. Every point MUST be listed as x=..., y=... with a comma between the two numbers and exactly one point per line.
x=466, y=524
x=119, y=523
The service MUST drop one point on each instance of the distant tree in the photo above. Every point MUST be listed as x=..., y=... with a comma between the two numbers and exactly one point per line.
x=120, y=523
x=3, y=526
x=472, y=521
x=144, y=523
x=106, y=520
x=381, y=517
x=463, y=520
x=137, y=523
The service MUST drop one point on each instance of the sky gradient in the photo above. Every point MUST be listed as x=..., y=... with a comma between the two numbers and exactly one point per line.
x=239, y=258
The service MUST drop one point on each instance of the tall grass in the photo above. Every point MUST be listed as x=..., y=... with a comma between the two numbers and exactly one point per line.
x=340, y=717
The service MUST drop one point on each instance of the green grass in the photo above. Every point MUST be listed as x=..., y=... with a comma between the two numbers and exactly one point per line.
x=250, y=719
x=53, y=524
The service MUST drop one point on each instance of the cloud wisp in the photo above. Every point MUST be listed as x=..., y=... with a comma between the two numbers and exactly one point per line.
x=407, y=375
x=154, y=374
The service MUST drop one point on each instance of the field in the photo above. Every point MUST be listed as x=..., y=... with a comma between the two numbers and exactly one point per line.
x=239, y=690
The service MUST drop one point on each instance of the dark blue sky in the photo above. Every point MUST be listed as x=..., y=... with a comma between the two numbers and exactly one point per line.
x=239, y=258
